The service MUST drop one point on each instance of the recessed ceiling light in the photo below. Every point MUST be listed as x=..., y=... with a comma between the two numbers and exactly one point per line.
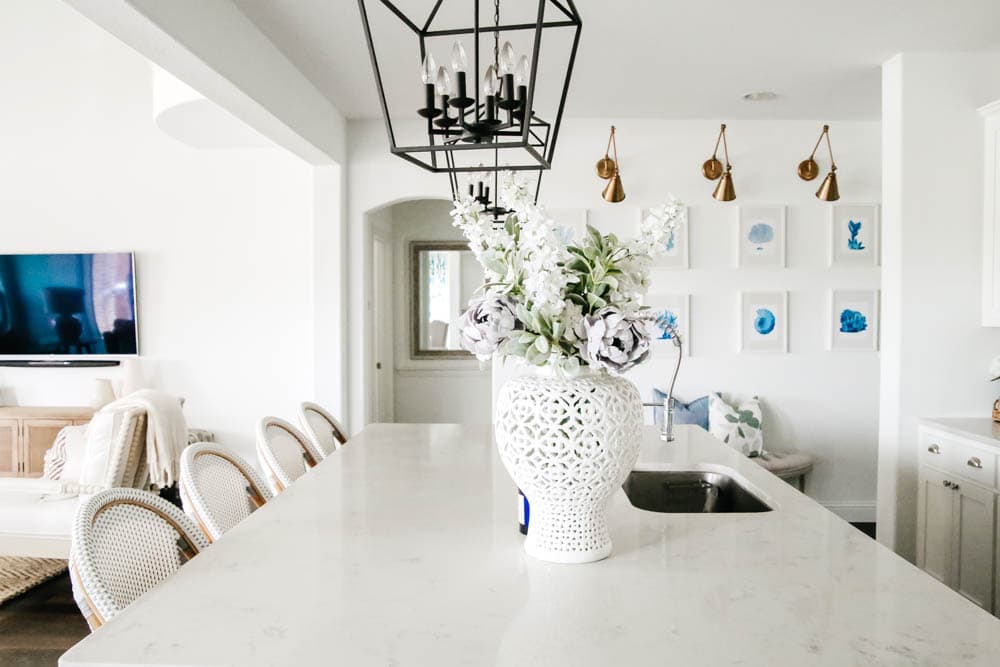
x=760, y=96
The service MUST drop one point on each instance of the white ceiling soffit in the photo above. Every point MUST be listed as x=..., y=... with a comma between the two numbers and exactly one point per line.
x=194, y=120
x=668, y=58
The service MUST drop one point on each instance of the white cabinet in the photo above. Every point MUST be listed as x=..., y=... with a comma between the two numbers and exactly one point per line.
x=957, y=515
x=935, y=531
x=991, y=213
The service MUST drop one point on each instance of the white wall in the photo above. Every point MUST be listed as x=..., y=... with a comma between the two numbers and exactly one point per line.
x=816, y=401
x=223, y=238
x=936, y=353
x=430, y=390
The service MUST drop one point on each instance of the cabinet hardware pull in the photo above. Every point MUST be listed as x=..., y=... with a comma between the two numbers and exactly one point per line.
x=974, y=462
x=955, y=486
x=934, y=449
x=947, y=484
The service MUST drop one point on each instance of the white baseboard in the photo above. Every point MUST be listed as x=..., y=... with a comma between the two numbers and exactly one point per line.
x=853, y=511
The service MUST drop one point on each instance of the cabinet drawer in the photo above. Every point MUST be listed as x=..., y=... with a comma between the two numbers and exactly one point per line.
x=958, y=458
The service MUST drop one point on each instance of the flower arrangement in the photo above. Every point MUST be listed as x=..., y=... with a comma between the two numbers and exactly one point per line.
x=554, y=301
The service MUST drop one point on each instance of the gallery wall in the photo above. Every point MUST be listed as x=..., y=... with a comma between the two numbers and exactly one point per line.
x=223, y=239
x=815, y=400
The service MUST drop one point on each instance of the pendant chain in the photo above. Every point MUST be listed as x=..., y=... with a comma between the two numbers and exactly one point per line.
x=496, y=37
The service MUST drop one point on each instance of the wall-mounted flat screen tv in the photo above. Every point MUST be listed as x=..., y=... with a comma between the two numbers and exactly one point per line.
x=68, y=305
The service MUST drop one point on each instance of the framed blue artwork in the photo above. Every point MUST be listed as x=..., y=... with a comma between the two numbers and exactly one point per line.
x=676, y=247
x=854, y=320
x=854, y=235
x=763, y=322
x=674, y=309
x=761, y=242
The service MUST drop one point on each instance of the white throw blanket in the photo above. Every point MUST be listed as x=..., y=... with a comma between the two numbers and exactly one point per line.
x=166, y=431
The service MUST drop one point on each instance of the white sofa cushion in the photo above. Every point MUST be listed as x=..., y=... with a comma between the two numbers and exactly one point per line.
x=29, y=515
x=100, y=435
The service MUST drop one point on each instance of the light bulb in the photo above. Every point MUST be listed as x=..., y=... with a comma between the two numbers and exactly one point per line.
x=507, y=58
x=429, y=69
x=443, y=83
x=458, y=60
x=490, y=81
x=523, y=71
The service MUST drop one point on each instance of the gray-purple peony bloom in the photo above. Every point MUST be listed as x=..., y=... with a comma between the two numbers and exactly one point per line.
x=610, y=339
x=487, y=323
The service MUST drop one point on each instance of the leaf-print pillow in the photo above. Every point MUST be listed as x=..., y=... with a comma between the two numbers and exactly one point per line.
x=740, y=428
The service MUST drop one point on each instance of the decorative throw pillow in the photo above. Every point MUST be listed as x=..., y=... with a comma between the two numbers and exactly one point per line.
x=65, y=457
x=55, y=458
x=695, y=412
x=740, y=428
x=100, y=435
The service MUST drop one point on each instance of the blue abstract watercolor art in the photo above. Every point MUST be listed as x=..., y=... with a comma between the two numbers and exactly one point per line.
x=671, y=241
x=851, y=321
x=854, y=243
x=760, y=235
x=664, y=319
x=764, y=322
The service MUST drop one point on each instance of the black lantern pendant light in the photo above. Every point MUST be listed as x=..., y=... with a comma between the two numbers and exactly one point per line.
x=474, y=122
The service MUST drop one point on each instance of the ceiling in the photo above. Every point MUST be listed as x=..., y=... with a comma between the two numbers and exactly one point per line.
x=668, y=58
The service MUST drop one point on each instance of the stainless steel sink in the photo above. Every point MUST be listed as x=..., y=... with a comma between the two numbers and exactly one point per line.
x=690, y=492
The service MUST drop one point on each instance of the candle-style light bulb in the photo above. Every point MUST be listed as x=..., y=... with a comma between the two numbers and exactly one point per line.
x=523, y=71
x=507, y=58
x=428, y=70
x=490, y=81
x=443, y=82
x=459, y=61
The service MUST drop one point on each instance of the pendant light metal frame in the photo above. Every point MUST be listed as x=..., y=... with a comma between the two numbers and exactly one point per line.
x=535, y=138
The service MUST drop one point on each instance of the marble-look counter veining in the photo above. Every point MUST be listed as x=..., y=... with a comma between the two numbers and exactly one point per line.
x=403, y=549
x=980, y=429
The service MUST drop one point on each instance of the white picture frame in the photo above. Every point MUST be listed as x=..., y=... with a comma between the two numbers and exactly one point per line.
x=763, y=322
x=680, y=306
x=761, y=237
x=850, y=246
x=678, y=256
x=572, y=219
x=859, y=332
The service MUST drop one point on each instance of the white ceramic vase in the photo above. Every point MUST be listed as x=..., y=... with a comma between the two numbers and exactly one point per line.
x=568, y=443
x=101, y=394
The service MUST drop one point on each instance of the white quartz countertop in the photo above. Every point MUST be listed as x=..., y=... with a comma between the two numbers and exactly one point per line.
x=981, y=429
x=403, y=549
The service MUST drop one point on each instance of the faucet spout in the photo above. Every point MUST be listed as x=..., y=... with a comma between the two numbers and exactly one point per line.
x=667, y=434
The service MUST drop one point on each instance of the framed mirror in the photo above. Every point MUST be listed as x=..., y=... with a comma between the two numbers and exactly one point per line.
x=444, y=276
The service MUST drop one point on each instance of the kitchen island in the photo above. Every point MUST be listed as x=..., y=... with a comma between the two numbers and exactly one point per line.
x=403, y=549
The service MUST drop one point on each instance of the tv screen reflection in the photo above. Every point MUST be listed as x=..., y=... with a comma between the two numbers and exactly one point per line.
x=67, y=304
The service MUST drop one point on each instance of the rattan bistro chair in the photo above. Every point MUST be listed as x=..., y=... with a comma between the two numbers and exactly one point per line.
x=322, y=428
x=284, y=452
x=125, y=542
x=218, y=488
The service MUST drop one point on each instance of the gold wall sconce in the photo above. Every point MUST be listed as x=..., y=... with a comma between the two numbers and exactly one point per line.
x=809, y=170
x=607, y=168
x=712, y=169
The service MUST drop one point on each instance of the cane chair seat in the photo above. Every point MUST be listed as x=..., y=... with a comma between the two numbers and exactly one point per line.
x=218, y=488
x=322, y=428
x=125, y=542
x=284, y=452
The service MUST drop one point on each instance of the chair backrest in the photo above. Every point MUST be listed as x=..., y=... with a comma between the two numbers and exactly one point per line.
x=322, y=428
x=125, y=542
x=284, y=452
x=127, y=466
x=218, y=488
